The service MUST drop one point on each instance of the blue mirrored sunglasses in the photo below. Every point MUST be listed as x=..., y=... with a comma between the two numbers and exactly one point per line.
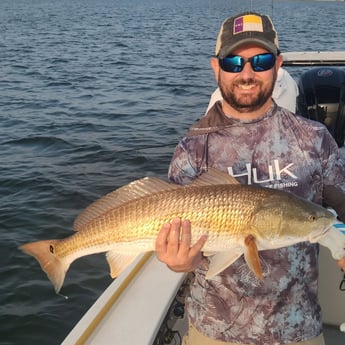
x=259, y=63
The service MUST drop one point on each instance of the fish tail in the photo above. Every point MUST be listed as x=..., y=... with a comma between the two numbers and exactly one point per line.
x=53, y=266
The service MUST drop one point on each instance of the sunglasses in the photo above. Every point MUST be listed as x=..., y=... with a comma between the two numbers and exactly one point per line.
x=259, y=63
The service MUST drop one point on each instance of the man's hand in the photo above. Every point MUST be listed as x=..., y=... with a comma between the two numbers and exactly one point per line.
x=173, y=246
x=341, y=264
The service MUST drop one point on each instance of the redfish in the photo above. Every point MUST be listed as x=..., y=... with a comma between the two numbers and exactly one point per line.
x=237, y=219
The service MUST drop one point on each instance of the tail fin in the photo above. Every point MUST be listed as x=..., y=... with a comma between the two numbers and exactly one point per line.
x=55, y=267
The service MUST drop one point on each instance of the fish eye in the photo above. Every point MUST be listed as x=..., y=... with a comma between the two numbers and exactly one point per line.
x=312, y=218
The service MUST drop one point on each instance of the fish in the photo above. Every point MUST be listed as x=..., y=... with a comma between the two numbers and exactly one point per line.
x=237, y=219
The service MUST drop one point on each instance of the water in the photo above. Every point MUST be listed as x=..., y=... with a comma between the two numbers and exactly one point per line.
x=94, y=94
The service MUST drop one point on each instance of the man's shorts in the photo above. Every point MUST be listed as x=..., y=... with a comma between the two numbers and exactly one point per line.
x=196, y=338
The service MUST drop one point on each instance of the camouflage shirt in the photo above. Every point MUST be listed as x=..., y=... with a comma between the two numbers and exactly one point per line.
x=278, y=150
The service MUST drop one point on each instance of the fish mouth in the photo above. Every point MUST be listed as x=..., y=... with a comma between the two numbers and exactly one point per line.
x=316, y=236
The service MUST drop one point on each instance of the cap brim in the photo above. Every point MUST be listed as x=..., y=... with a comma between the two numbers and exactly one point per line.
x=271, y=47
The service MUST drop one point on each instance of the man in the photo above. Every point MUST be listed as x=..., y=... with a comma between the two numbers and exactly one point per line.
x=258, y=142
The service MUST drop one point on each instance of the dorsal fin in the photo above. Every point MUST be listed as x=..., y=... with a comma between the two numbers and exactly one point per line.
x=132, y=191
x=214, y=177
x=141, y=188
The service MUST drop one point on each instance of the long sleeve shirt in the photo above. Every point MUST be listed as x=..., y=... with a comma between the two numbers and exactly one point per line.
x=278, y=150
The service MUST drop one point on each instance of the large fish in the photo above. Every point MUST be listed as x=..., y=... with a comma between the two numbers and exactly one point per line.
x=238, y=220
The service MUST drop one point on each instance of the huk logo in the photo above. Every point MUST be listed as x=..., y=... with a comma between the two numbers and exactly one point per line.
x=275, y=173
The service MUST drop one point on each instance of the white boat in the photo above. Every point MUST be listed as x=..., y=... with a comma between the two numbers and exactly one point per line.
x=319, y=58
x=148, y=294
x=141, y=295
x=332, y=288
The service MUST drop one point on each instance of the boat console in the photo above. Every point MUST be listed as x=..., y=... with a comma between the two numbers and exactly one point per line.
x=322, y=98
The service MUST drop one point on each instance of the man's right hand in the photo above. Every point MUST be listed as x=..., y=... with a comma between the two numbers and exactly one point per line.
x=173, y=246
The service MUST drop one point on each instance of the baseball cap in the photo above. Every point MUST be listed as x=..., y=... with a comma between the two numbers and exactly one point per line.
x=247, y=27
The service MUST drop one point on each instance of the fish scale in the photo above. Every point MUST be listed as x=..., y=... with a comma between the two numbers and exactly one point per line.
x=132, y=220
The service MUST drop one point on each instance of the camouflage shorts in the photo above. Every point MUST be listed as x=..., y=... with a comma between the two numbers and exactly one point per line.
x=196, y=338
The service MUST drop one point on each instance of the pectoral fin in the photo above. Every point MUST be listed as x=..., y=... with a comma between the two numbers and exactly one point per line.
x=251, y=255
x=119, y=261
x=220, y=261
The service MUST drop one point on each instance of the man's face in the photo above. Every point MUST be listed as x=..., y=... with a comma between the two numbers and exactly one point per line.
x=247, y=91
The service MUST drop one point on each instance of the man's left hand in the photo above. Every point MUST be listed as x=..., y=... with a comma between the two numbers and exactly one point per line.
x=341, y=264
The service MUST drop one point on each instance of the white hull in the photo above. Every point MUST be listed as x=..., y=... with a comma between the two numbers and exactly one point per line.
x=332, y=299
x=336, y=58
x=132, y=308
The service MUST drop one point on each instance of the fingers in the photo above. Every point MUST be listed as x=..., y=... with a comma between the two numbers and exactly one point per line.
x=177, y=234
x=175, y=237
x=162, y=239
x=173, y=246
x=198, y=245
x=341, y=264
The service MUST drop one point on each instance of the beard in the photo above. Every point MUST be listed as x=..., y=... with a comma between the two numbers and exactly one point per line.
x=244, y=103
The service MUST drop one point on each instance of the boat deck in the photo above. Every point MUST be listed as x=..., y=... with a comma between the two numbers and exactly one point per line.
x=333, y=336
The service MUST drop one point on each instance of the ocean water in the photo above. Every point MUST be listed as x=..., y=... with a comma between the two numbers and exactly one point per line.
x=95, y=94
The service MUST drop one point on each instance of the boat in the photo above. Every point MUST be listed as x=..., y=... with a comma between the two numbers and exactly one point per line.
x=150, y=295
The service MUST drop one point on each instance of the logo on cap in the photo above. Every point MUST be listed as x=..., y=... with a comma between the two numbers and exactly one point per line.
x=248, y=23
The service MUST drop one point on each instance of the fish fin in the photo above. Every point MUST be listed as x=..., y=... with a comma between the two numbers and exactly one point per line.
x=132, y=191
x=209, y=253
x=213, y=177
x=119, y=261
x=220, y=261
x=141, y=188
x=54, y=267
x=251, y=255
x=334, y=240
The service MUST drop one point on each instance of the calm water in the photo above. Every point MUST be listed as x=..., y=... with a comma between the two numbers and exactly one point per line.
x=94, y=94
